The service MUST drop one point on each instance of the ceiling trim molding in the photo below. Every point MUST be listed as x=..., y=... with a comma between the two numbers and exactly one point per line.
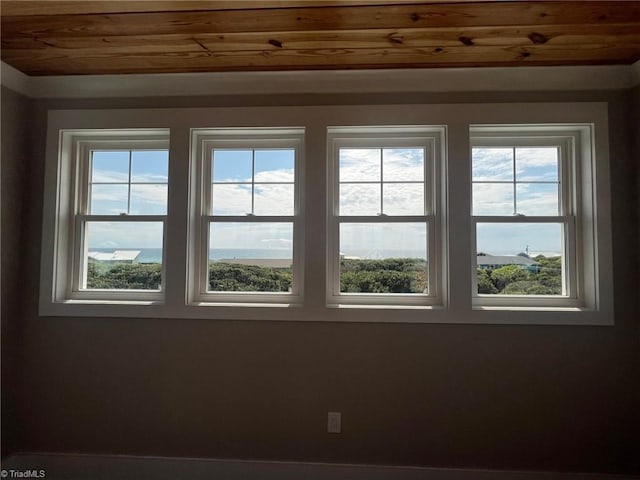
x=563, y=78
x=14, y=79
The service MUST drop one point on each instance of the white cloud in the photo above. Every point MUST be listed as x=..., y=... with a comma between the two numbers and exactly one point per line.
x=492, y=199
x=492, y=164
x=281, y=175
x=124, y=234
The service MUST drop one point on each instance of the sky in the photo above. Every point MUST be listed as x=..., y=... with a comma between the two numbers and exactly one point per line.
x=522, y=181
x=372, y=181
x=124, y=182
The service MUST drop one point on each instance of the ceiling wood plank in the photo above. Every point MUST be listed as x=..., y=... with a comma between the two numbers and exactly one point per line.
x=328, y=59
x=130, y=37
x=329, y=18
x=349, y=39
x=77, y=7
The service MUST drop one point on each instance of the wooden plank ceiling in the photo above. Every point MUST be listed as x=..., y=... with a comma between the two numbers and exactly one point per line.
x=109, y=37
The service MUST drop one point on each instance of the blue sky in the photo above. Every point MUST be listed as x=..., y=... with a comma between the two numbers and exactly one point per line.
x=398, y=168
x=274, y=176
x=110, y=178
x=110, y=191
x=275, y=165
x=534, y=172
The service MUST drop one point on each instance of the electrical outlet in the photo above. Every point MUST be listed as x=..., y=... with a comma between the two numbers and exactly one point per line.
x=334, y=422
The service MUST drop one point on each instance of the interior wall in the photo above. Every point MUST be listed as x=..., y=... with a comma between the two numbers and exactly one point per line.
x=15, y=159
x=500, y=397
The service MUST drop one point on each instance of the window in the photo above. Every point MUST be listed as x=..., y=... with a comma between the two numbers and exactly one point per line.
x=526, y=204
x=384, y=232
x=465, y=213
x=248, y=226
x=114, y=226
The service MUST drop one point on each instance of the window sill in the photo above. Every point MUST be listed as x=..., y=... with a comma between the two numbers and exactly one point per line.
x=335, y=313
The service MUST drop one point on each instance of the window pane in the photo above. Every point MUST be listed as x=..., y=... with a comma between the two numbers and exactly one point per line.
x=492, y=199
x=403, y=164
x=231, y=199
x=232, y=165
x=274, y=165
x=149, y=166
x=492, y=164
x=403, y=198
x=537, y=198
x=359, y=164
x=383, y=258
x=123, y=255
x=109, y=199
x=519, y=259
x=148, y=200
x=110, y=166
x=537, y=164
x=359, y=199
x=273, y=199
x=250, y=257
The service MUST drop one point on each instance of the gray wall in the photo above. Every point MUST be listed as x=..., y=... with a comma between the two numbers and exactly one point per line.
x=504, y=397
x=15, y=163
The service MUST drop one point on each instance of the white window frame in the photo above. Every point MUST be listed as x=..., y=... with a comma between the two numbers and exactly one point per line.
x=576, y=195
x=431, y=139
x=456, y=306
x=69, y=265
x=204, y=142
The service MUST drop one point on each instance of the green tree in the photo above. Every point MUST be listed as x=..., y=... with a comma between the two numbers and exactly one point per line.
x=550, y=273
x=485, y=285
x=527, y=287
x=503, y=276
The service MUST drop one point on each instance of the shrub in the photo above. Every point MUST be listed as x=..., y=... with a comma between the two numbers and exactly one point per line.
x=233, y=277
x=129, y=276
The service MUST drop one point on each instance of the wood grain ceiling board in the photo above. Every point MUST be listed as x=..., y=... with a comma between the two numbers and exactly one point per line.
x=314, y=35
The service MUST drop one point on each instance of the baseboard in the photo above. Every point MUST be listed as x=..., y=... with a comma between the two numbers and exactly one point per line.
x=52, y=466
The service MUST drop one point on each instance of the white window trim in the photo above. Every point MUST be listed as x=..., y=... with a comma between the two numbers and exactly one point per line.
x=73, y=178
x=457, y=303
x=432, y=139
x=205, y=141
x=573, y=205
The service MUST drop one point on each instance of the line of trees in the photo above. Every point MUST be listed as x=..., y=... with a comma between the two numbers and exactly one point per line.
x=391, y=275
x=129, y=276
x=517, y=280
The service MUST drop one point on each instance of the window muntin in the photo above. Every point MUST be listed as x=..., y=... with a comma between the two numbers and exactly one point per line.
x=249, y=222
x=383, y=231
x=253, y=182
x=516, y=181
x=524, y=216
x=128, y=182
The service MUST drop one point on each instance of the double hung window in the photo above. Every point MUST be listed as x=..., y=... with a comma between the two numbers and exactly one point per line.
x=384, y=222
x=247, y=205
x=444, y=220
x=526, y=210
x=116, y=215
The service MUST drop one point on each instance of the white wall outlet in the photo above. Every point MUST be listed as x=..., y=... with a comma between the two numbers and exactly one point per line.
x=334, y=422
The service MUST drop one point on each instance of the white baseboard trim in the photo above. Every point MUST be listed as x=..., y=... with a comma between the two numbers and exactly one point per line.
x=51, y=466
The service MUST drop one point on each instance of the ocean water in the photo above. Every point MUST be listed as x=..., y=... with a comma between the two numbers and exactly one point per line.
x=154, y=255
